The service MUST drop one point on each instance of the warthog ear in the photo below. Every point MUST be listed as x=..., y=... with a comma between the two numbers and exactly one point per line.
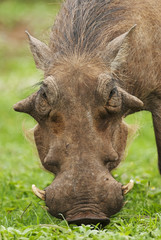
x=130, y=101
x=35, y=105
x=41, y=52
x=26, y=105
x=120, y=100
x=116, y=50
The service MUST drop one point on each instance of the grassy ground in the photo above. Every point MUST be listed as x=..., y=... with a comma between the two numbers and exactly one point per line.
x=22, y=215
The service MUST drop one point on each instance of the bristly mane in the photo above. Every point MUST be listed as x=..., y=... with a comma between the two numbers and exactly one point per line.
x=84, y=26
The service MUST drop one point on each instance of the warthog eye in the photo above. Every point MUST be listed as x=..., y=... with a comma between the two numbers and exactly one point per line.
x=44, y=95
x=113, y=91
x=42, y=105
x=114, y=101
x=43, y=98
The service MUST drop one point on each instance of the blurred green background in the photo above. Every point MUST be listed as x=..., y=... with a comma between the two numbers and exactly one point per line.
x=22, y=215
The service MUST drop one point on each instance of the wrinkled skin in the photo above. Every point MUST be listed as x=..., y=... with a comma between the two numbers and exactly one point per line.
x=80, y=138
x=81, y=152
x=89, y=87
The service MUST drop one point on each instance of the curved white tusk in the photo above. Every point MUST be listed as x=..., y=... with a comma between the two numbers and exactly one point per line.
x=127, y=187
x=39, y=193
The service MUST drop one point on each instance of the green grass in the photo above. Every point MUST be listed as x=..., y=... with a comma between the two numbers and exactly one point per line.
x=22, y=215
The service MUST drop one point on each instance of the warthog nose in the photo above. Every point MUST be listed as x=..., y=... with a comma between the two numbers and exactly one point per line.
x=89, y=220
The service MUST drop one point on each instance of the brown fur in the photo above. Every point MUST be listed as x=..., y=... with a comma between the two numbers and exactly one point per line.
x=99, y=67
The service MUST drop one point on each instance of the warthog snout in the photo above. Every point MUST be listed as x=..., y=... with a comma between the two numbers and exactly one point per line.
x=78, y=202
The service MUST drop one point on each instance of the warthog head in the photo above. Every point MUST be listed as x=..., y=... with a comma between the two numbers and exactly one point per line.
x=80, y=135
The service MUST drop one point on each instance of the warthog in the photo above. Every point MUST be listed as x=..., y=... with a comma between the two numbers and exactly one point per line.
x=102, y=63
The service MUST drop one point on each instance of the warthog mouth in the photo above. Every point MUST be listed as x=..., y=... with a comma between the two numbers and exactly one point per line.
x=89, y=219
x=86, y=216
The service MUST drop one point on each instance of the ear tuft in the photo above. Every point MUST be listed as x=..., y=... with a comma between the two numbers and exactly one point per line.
x=116, y=49
x=41, y=52
x=122, y=53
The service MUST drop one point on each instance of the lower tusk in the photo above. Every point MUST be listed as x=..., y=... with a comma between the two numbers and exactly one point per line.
x=128, y=187
x=39, y=193
x=125, y=203
x=45, y=208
